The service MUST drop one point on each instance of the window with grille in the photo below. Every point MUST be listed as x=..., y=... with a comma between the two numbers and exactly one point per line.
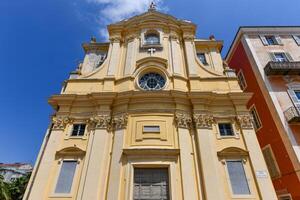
x=78, y=130
x=256, y=120
x=237, y=177
x=151, y=184
x=271, y=162
x=226, y=129
x=66, y=176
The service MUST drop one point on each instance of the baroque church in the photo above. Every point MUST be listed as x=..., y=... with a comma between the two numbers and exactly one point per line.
x=153, y=114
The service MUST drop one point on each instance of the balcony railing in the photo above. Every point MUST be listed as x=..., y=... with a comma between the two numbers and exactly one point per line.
x=282, y=68
x=292, y=114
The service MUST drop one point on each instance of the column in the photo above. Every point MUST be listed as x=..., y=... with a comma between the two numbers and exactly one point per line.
x=264, y=182
x=96, y=166
x=213, y=187
x=187, y=160
x=114, y=185
x=48, y=157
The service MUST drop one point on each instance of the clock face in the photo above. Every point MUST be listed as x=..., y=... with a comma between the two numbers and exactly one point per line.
x=152, y=81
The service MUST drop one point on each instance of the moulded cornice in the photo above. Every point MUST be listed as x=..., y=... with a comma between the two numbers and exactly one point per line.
x=73, y=151
x=151, y=151
x=232, y=151
x=152, y=61
x=95, y=46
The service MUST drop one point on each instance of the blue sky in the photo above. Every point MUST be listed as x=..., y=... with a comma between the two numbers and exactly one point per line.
x=40, y=43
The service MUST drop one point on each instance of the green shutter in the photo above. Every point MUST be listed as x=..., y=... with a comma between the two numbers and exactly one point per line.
x=271, y=163
x=297, y=39
x=272, y=56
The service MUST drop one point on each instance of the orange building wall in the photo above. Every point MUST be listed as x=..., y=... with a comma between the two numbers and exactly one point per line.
x=268, y=134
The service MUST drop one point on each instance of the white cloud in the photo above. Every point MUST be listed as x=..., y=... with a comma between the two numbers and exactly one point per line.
x=116, y=10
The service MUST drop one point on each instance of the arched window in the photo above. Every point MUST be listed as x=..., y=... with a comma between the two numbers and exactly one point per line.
x=152, y=38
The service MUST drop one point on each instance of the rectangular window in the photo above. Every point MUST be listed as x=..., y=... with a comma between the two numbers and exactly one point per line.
x=271, y=162
x=297, y=93
x=66, y=176
x=78, y=130
x=151, y=129
x=202, y=58
x=225, y=129
x=285, y=197
x=237, y=177
x=151, y=184
x=280, y=57
x=242, y=80
x=256, y=119
x=271, y=40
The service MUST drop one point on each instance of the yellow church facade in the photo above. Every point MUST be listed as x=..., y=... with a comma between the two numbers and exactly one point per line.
x=153, y=114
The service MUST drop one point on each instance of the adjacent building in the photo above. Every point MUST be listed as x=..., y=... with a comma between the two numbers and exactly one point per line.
x=267, y=62
x=12, y=171
x=152, y=114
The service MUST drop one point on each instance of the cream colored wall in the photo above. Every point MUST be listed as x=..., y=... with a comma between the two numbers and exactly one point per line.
x=187, y=110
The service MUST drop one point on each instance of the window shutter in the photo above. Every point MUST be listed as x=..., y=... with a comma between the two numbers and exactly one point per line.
x=297, y=39
x=263, y=40
x=289, y=57
x=278, y=40
x=65, y=179
x=272, y=56
x=271, y=163
x=237, y=176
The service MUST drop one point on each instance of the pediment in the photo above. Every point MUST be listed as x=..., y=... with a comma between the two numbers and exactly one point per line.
x=152, y=17
x=232, y=151
x=71, y=151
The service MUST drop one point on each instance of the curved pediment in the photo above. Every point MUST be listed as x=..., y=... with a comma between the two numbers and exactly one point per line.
x=232, y=151
x=72, y=151
x=150, y=17
x=152, y=61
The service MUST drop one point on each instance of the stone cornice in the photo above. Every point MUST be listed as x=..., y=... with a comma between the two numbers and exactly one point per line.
x=101, y=122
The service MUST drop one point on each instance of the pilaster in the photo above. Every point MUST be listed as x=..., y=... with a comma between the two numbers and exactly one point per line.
x=213, y=187
x=265, y=186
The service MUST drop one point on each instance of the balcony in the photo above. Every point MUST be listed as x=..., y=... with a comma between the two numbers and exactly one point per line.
x=292, y=114
x=282, y=68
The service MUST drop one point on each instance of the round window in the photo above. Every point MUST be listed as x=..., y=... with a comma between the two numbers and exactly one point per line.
x=152, y=81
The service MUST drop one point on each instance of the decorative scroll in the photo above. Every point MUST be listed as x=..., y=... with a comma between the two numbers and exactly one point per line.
x=245, y=121
x=101, y=121
x=120, y=121
x=59, y=123
x=183, y=120
x=203, y=120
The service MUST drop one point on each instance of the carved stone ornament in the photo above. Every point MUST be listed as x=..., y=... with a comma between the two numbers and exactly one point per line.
x=101, y=121
x=203, y=120
x=59, y=123
x=245, y=121
x=119, y=121
x=183, y=120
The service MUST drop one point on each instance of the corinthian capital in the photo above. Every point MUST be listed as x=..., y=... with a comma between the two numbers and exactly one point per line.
x=101, y=121
x=245, y=121
x=183, y=120
x=120, y=121
x=203, y=120
x=59, y=123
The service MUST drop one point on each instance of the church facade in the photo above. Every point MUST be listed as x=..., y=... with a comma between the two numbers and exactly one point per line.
x=153, y=114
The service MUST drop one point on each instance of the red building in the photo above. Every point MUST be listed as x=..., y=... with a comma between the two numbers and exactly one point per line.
x=267, y=62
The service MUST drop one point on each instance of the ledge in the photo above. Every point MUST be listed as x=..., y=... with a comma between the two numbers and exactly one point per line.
x=151, y=151
x=282, y=68
x=292, y=114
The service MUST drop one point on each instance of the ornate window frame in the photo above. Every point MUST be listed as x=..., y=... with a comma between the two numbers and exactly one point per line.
x=144, y=33
x=67, y=154
x=146, y=70
x=236, y=134
x=69, y=129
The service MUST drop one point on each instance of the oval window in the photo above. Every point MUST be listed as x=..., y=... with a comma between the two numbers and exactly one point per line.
x=152, y=81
